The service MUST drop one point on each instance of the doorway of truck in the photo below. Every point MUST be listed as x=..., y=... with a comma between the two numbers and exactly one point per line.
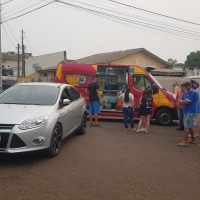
x=112, y=82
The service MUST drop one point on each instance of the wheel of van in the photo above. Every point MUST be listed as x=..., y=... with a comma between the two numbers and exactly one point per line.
x=56, y=141
x=164, y=117
x=83, y=126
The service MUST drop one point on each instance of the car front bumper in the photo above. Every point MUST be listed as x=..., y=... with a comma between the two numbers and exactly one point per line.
x=15, y=140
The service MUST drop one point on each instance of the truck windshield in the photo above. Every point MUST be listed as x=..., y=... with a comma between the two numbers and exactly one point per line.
x=157, y=83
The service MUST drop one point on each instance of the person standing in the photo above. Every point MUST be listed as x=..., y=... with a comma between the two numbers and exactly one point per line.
x=145, y=111
x=195, y=86
x=180, y=106
x=189, y=101
x=127, y=108
x=94, y=104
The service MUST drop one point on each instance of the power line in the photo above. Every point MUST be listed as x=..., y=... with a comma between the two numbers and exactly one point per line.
x=8, y=37
x=7, y=2
x=28, y=12
x=29, y=46
x=180, y=29
x=138, y=23
x=19, y=5
x=22, y=9
x=159, y=14
x=11, y=32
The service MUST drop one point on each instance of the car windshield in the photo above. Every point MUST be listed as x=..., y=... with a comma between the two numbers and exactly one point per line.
x=30, y=95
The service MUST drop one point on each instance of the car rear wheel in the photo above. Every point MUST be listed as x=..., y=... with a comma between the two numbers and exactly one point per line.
x=83, y=126
x=164, y=117
x=56, y=141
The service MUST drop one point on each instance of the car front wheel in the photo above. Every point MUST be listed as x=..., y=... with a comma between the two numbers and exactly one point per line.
x=83, y=126
x=56, y=141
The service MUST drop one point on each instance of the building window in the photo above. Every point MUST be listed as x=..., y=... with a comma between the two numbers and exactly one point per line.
x=3, y=66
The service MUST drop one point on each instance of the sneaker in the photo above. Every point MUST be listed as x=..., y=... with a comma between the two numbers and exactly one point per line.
x=138, y=131
x=182, y=144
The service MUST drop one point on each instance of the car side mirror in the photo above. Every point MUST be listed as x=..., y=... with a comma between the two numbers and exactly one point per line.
x=66, y=102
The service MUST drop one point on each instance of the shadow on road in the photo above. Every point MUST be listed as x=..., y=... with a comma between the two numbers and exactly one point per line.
x=30, y=157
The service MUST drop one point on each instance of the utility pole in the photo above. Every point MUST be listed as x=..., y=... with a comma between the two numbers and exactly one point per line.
x=23, y=56
x=1, y=85
x=18, y=61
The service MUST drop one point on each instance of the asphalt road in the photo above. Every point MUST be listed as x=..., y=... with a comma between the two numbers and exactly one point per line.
x=108, y=163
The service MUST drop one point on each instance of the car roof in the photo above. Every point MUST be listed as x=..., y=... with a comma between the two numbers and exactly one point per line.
x=44, y=84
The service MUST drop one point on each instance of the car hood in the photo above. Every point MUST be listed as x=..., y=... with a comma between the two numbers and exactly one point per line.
x=16, y=114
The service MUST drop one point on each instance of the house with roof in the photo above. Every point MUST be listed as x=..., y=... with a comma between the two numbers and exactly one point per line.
x=139, y=56
x=10, y=61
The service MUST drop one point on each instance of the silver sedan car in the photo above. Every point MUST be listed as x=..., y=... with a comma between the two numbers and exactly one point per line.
x=37, y=116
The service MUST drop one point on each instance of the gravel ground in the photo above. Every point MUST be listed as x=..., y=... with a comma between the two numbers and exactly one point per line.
x=107, y=163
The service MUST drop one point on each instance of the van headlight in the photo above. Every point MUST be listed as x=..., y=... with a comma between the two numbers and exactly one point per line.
x=33, y=123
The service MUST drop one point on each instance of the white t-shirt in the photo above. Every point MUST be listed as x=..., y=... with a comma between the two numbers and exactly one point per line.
x=127, y=104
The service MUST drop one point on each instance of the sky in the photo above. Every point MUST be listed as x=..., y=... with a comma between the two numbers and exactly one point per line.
x=58, y=27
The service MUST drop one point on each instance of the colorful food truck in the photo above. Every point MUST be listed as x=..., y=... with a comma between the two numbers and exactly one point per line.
x=113, y=80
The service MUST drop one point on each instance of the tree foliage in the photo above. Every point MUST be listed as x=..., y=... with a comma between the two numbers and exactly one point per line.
x=193, y=60
x=172, y=62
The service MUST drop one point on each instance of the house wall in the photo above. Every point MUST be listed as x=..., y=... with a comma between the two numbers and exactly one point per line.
x=168, y=82
x=10, y=64
x=44, y=61
x=47, y=76
x=140, y=59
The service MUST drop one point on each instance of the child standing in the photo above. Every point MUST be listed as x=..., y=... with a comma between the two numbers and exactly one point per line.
x=145, y=111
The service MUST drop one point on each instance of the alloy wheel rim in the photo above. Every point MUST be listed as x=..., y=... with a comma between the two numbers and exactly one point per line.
x=56, y=140
x=165, y=118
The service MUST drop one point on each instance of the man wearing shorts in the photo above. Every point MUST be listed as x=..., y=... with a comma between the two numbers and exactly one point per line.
x=94, y=105
x=189, y=101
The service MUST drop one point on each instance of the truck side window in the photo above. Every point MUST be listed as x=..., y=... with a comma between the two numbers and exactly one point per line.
x=142, y=82
x=149, y=84
x=138, y=81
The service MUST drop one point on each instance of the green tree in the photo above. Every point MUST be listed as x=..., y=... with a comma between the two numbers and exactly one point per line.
x=180, y=64
x=193, y=60
x=172, y=62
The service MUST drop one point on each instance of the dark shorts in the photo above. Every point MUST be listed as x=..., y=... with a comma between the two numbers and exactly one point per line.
x=144, y=111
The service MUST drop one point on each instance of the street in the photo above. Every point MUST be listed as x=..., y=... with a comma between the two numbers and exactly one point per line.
x=108, y=163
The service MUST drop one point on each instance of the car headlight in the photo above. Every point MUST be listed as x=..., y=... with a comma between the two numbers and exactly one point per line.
x=33, y=123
